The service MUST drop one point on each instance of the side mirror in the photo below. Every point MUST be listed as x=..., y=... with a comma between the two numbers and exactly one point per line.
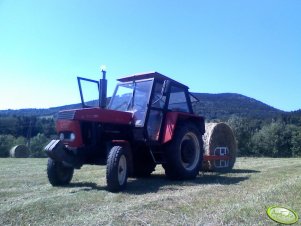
x=165, y=87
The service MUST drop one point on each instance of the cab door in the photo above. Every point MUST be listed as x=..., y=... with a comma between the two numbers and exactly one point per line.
x=166, y=98
x=156, y=112
x=89, y=92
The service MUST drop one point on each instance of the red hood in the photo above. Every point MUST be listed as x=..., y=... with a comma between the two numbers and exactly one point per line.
x=97, y=115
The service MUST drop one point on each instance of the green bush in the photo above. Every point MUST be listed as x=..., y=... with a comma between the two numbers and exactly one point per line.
x=37, y=145
x=243, y=129
x=279, y=138
x=6, y=143
x=296, y=142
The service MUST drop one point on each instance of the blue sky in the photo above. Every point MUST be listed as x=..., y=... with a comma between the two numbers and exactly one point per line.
x=215, y=46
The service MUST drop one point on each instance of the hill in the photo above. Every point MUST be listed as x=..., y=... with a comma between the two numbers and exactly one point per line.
x=38, y=111
x=224, y=105
x=296, y=113
x=212, y=106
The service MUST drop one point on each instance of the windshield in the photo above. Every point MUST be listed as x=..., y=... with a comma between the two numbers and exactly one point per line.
x=134, y=97
x=131, y=96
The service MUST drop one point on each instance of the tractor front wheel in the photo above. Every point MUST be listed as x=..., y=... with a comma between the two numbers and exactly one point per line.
x=58, y=174
x=117, y=169
x=184, y=154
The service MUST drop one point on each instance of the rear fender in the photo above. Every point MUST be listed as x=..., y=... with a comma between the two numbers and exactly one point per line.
x=173, y=118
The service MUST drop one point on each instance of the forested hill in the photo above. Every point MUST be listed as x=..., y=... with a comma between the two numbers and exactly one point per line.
x=212, y=106
x=296, y=113
x=222, y=106
x=260, y=129
x=38, y=111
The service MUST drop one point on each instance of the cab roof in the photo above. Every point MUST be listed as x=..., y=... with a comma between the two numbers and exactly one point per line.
x=148, y=75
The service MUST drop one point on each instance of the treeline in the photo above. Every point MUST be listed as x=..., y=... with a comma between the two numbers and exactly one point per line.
x=35, y=132
x=26, y=125
x=279, y=137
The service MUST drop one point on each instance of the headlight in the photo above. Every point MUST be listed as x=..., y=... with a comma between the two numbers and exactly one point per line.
x=61, y=136
x=72, y=136
x=67, y=136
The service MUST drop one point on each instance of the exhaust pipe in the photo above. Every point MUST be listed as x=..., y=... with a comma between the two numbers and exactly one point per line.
x=103, y=89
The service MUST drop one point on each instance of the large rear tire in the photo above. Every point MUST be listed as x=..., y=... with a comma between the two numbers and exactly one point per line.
x=117, y=169
x=58, y=174
x=184, y=153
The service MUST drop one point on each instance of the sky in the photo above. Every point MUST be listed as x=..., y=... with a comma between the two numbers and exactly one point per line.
x=215, y=46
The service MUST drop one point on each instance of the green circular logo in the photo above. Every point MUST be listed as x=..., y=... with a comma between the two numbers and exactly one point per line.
x=282, y=215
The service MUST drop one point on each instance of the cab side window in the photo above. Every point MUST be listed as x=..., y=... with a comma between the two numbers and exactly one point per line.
x=177, y=100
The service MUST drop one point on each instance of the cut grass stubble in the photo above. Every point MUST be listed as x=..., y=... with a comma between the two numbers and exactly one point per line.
x=237, y=198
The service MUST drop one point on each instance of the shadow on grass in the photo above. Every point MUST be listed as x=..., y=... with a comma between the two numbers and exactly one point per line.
x=155, y=182
x=85, y=186
x=244, y=171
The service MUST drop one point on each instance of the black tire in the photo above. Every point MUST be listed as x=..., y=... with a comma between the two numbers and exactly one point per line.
x=184, y=154
x=58, y=174
x=117, y=168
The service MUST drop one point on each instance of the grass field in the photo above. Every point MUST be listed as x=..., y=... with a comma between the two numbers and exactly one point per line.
x=237, y=198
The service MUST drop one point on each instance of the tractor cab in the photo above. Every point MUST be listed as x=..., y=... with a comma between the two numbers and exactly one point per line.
x=149, y=97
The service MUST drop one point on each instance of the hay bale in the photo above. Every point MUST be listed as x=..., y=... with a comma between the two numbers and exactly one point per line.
x=219, y=135
x=19, y=151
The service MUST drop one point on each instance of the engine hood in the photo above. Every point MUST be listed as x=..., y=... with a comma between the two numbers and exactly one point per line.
x=97, y=115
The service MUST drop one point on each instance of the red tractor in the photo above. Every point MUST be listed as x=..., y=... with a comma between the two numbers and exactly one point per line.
x=148, y=121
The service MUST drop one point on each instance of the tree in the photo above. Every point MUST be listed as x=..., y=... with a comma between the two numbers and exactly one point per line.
x=8, y=125
x=244, y=129
x=46, y=126
x=6, y=143
x=296, y=142
x=37, y=144
x=20, y=140
x=273, y=140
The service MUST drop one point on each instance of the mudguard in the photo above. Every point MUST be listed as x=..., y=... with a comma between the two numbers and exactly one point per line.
x=172, y=119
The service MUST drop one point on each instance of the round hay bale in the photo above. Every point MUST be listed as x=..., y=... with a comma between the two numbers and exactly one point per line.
x=19, y=151
x=219, y=140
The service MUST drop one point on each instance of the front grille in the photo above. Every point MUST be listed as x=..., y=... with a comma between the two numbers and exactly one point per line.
x=66, y=115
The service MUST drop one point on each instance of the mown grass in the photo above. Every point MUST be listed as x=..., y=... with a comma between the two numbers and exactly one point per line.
x=237, y=198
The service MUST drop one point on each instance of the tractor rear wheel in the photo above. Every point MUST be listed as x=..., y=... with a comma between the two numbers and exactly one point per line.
x=184, y=153
x=58, y=174
x=117, y=168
